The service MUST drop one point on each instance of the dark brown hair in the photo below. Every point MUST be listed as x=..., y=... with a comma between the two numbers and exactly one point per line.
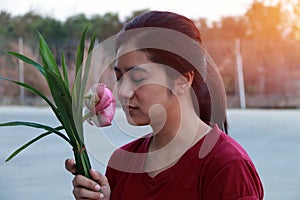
x=186, y=26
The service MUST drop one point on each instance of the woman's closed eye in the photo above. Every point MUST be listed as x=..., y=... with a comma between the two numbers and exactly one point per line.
x=135, y=74
x=137, y=79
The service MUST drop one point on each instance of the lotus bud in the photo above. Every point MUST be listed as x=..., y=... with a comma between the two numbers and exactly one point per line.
x=100, y=104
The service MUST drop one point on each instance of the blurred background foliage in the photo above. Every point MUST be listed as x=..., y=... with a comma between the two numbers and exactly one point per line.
x=269, y=35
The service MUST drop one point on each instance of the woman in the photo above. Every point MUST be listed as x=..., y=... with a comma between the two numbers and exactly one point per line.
x=163, y=80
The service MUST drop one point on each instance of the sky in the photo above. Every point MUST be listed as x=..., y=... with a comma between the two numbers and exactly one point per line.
x=61, y=9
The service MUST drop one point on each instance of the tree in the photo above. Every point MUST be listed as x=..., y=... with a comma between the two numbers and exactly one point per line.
x=51, y=29
x=233, y=27
x=5, y=19
x=22, y=25
x=265, y=21
x=292, y=12
x=105, y=26
x=75, y=24
x=5, y=29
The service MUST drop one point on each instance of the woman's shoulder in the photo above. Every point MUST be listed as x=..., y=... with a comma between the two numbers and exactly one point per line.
x=221, y=148
x=227, y=163
x=139, y=145
x=128, y=158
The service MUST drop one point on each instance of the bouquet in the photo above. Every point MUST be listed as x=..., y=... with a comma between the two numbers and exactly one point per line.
x=68, y=103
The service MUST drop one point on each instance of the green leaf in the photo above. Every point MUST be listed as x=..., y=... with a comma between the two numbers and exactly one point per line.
x=87, y=66
x=63, y=102
x=37, y=92
x=47, y=56
x=78, y=75
x=27, y=60
x=36, y=125
x=79, y=87
x=59, y=91
x=58, y=84
x=80, y=51
x=16, y=152
x=92, y=44
x=65, y=71
x=62, y=99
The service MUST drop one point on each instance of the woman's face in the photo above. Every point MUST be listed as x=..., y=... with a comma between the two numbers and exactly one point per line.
x=142, y=84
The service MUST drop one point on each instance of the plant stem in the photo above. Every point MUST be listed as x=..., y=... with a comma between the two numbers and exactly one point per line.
x=86, y=116
x=82, y=161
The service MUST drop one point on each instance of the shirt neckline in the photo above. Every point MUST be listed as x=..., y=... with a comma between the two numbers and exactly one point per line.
x=174, y=169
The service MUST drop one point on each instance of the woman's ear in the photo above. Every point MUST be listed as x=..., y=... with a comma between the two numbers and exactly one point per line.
x=184, y=82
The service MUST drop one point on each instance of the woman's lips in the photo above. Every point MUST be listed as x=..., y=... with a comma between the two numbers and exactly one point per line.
x=129, y=108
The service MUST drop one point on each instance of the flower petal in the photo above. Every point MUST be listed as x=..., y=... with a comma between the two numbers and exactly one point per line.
x=101, y=104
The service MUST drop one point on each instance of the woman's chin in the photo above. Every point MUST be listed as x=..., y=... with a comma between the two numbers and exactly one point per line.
x=136, y=122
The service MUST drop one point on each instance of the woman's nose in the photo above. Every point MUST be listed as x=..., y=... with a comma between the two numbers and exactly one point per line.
x=125, y=89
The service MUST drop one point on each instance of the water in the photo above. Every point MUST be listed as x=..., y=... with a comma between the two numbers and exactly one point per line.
x=271, y=137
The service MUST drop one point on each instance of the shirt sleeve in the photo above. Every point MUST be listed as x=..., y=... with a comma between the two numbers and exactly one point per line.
x=238, y=179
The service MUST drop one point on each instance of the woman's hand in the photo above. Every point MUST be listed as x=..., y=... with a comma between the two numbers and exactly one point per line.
x=85, y=188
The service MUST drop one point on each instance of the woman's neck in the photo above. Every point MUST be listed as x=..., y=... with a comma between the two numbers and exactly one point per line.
x=169, y=144
x=185, y=129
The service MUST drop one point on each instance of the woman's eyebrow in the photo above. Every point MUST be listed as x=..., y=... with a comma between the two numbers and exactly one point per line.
x=134, y=68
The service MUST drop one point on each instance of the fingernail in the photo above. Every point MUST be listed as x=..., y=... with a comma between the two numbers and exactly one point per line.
x=101, y=195
x=97, y=187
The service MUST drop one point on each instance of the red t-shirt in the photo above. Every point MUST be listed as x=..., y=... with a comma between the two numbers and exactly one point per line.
x=215, y=168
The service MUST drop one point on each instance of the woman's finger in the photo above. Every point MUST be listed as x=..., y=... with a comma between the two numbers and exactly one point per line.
x=103, y=182
x=86, y=188
x=83, y=193
x=82, y=181
x=99, y=178
x=70, y=166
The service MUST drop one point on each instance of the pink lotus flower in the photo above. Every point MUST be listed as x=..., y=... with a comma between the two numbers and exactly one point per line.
x=100, y=104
